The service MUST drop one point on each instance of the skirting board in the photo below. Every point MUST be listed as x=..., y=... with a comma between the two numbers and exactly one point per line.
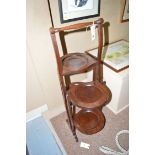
x=56, y=110
x=36, y=113
x=116, y=112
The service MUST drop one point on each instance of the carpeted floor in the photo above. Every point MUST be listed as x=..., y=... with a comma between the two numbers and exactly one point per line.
x=106, y=137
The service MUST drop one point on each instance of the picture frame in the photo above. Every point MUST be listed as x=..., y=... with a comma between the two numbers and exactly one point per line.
x=115, y=55
x=124, y=17
x=73, y=10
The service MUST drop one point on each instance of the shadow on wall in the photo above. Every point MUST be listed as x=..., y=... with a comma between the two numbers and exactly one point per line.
x=106, y=32
x=106, y=37
x=62, y=36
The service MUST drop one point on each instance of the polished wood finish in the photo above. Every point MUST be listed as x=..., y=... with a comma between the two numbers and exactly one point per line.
x=76, y=26
x=89, y=121
x=75, y=63
x=90, y=96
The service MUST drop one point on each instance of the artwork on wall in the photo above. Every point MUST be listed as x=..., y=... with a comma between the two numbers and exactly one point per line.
x=72, y=10
x=124, y=10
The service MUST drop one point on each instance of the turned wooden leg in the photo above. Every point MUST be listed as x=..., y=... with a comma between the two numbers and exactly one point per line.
x=71, y=109
x=74, y=134
x=74, y=129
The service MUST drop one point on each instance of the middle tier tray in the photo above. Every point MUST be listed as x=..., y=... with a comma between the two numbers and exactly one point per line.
x=89, y=95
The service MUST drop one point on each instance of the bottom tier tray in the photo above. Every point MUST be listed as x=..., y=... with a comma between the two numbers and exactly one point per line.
x=89, y=121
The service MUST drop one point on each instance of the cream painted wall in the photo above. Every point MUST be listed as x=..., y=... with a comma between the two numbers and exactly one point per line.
x=110, y=11
x=34, y=93
x=41, y=50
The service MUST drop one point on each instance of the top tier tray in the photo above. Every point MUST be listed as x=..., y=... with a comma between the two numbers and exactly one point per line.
x=74, y=63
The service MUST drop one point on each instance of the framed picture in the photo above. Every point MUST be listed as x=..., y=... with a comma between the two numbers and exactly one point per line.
x=124, y=10
x=72, y=10
x=115, y=55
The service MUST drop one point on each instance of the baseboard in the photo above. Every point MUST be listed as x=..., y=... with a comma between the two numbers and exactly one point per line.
x=116, y=112
x=36, y=113
x=55, y=111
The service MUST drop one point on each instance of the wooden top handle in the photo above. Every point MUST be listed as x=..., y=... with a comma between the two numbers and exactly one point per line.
x=76, y=26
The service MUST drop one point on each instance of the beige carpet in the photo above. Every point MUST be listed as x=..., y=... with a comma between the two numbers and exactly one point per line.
x=106, y=137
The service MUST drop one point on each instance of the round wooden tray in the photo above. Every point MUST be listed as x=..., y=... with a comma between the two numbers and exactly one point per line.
x=76, y=62
x=89, y=95
x=89, y=121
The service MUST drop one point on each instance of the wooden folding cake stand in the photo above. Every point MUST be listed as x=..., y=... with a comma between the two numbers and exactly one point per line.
x=90, y=97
